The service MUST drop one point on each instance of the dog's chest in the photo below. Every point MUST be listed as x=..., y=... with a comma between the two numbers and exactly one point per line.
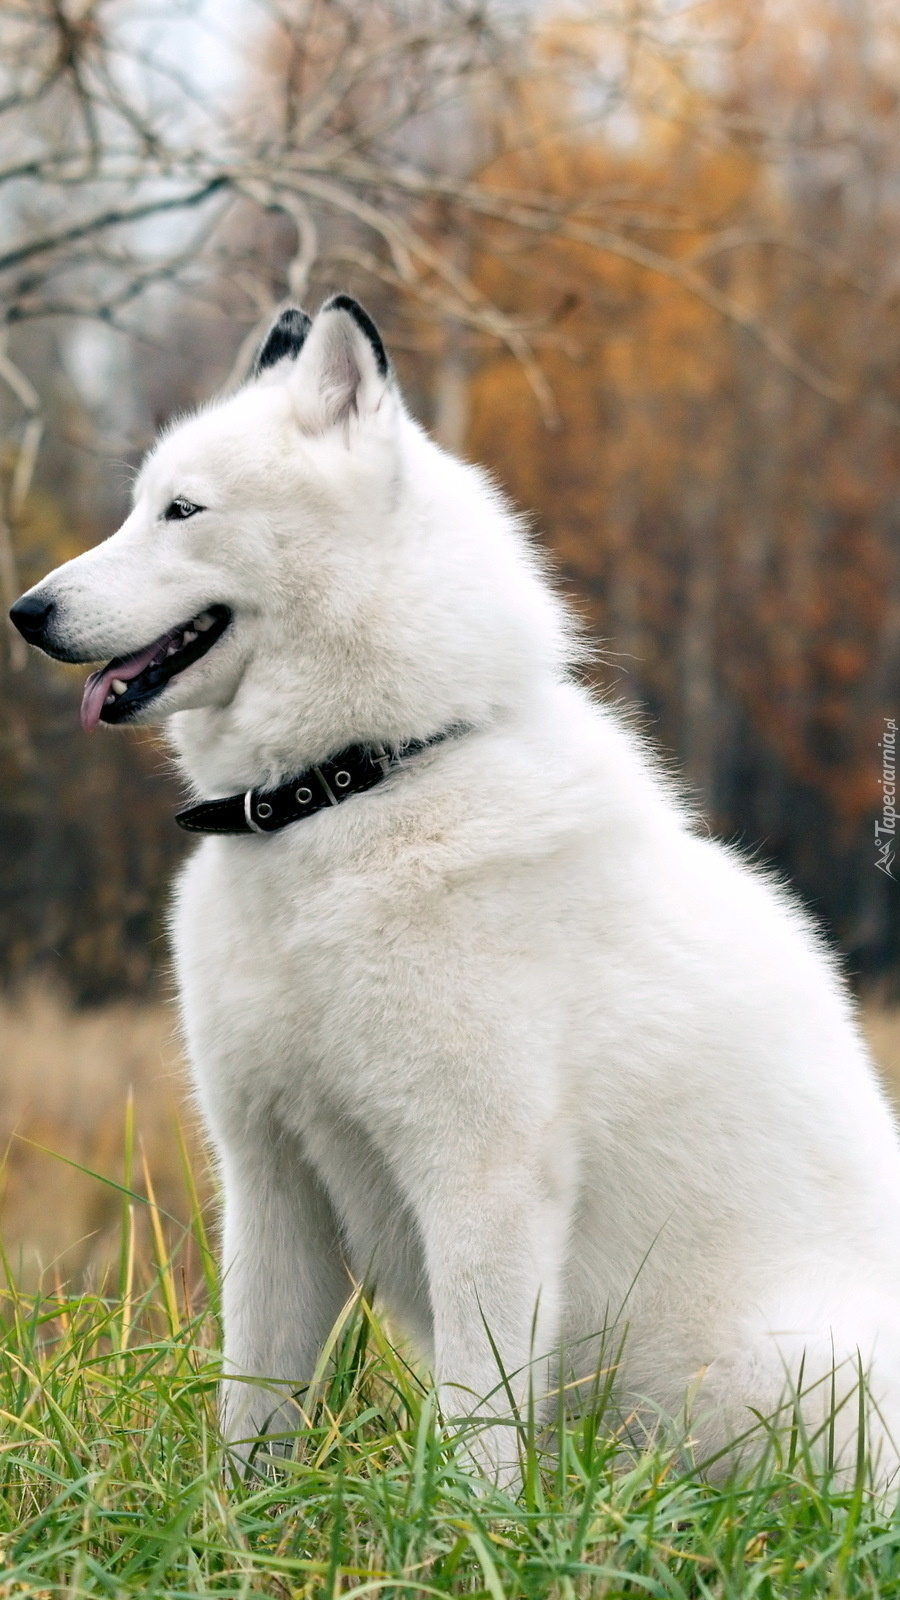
x=296, y=979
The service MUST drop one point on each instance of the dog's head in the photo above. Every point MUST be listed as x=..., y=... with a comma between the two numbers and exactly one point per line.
x=301, y=566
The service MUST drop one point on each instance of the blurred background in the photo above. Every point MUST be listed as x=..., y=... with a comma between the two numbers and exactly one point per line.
x=640, y=257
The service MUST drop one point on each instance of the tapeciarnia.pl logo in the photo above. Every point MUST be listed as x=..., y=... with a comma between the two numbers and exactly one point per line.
x=885, y=830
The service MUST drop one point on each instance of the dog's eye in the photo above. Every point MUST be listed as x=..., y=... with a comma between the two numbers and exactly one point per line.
x=180, y=509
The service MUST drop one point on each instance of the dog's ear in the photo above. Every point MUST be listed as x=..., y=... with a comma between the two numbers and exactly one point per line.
x=286, y=337
x=343, y=370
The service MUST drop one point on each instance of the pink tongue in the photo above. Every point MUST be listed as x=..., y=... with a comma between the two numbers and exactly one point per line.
x=97, y=687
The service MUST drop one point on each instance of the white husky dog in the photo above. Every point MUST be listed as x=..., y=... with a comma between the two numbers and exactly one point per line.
x=502, y=1031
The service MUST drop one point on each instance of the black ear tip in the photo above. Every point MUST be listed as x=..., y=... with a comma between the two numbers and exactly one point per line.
x=294, y=320
x=286, y=337
x=346, y=302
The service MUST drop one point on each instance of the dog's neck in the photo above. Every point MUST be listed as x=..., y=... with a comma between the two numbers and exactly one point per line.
x=225, y=750
x=219, y=755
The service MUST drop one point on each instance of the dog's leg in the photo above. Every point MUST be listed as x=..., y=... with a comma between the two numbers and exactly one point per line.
x=284, y=1284
x=495, y=1254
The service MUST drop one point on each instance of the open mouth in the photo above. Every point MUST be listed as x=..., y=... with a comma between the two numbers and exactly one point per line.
x=128, y=683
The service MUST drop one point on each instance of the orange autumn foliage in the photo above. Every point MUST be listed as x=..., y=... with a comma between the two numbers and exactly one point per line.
x=733, y=535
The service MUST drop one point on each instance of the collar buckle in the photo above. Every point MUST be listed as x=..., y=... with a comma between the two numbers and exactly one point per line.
x=248, y=812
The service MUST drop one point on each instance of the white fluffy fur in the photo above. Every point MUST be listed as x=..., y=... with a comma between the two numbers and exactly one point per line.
x=505, y=1033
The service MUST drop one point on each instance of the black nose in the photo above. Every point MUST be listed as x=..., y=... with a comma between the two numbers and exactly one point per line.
x=31, y=615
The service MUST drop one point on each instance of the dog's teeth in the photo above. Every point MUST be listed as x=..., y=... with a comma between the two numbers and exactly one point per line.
x=189, y=636
x=203, y=622
x=110, y=700
x=172, y=650
x=118, y=685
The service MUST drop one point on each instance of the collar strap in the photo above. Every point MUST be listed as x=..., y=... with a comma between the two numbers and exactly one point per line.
x=351, y=771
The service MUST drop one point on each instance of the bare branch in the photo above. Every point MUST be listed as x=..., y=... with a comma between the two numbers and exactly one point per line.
x=117, y=217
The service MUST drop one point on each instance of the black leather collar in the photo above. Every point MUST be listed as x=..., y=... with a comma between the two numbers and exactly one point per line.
x=351, y=771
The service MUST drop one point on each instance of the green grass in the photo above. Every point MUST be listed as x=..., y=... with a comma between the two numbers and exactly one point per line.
x=113, y=1480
